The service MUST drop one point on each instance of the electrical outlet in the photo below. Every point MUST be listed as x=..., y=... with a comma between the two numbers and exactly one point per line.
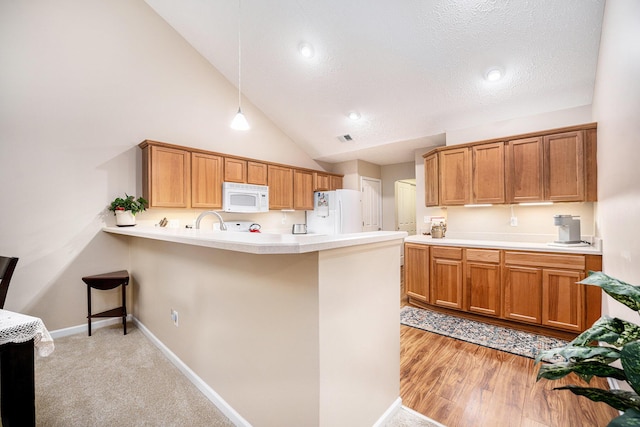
x=174, y=317
x=514, y=221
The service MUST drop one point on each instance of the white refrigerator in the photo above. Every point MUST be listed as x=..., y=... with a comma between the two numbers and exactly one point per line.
x=335, y=212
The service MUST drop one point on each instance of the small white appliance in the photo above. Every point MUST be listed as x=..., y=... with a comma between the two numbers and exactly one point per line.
x=335, y=212
x=243, y=198
x=568, y=229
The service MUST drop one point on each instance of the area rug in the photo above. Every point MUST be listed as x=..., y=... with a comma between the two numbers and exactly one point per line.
x=497, y=337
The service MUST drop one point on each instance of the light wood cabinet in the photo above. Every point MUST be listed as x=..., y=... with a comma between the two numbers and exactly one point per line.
x=564, y=160
x=487, y=176
x=335, y=182
x=524, y=170
x=166, y=176
x=431, y=180
x=302, y=189
x=206, y=181
x=522, y=294
x=446, y=277
x=535, y=291
x=416, y=271
x=321, y=181
x=235, y=170
x=454, y=177
x=257, y=173
x=483, y=284
x=280, y=187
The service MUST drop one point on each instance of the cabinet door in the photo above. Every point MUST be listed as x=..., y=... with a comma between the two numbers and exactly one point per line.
x=206, y=181
x=523, y=294
x=488, y=173
x=302, y=190
x=455, y=188
x=483, y=281
x=446, y=282
x=170, y=178
x=416, y=271
x=564, y=179
x=280, y=187
x=321, y=181
x=235, y=170
x=431, y=180
x=563, y=300
x=335, y=182
x=256, y=173
x=524, y=170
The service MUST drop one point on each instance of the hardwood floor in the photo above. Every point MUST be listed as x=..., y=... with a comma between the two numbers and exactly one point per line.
x=461, y=384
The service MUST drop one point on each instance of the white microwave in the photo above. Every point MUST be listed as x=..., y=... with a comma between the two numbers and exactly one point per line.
x=244, y=197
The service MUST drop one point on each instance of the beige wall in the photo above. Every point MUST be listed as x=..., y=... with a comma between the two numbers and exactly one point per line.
x=616, y=107
x=389, y=175
x=82, y=84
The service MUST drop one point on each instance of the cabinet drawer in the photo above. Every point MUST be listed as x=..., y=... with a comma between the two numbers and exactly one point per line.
x=483, y=255
x=449, y=253
x=574, y=262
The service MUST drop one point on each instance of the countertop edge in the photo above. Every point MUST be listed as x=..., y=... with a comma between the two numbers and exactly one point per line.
x=224, y=242
x=495, y=244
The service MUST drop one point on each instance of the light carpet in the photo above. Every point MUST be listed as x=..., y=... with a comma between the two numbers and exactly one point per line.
x=111, y=379
x=497, y=337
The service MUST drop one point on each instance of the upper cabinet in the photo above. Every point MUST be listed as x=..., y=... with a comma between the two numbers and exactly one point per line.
x=431, y=181
x=564, y=178
x=557, y=165
x=487, y=175
x=280, y=187
x=524, y=170
x=454, y=176
x=206, y=181
x=166, y=176
x=181, y=177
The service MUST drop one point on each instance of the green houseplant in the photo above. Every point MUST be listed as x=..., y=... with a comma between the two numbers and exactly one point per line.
x=125, y=209
x=585, y=357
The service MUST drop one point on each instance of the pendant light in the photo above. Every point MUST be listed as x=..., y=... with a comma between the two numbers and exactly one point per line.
x=239, y=122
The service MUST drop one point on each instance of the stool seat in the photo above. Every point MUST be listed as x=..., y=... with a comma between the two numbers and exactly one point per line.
x=104, y=282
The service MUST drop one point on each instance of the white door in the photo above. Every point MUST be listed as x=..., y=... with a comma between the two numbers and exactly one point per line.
x=371, y=204
x=406, y=207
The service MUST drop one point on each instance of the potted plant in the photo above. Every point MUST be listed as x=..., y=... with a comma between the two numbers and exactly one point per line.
x=587, y=358
x=126, y=209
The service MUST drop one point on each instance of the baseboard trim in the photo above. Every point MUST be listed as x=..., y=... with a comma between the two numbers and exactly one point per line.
x=389, y=413
x=79, y=329
x=209, y=393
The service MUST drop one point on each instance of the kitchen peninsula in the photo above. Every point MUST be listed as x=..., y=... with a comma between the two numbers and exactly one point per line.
x=284, y=329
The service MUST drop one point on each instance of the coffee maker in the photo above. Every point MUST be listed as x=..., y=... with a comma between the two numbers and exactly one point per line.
x=569, y=229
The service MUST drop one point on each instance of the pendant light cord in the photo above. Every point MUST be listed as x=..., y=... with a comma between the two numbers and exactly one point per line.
x=239, y=56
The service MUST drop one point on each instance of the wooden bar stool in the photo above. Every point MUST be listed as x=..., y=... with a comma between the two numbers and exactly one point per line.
x=104, y=282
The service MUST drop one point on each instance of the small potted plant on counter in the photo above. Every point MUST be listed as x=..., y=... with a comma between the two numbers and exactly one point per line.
x=126, y=209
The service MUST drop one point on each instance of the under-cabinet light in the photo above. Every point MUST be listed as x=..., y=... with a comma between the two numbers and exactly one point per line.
x=535, y=204
x=481, y=205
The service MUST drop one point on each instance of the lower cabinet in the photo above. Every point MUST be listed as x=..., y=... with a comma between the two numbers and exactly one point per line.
x=446, y=277
x=534, y=288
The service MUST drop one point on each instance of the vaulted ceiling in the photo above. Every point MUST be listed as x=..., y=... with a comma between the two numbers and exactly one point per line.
x=411, y=69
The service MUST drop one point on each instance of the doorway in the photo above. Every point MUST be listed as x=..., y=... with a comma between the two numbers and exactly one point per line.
x=371, y=204
x=405, y=201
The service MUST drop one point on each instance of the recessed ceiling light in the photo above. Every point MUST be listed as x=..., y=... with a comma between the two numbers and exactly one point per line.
x=493, y=74
x=306, y=50
x=354, y=115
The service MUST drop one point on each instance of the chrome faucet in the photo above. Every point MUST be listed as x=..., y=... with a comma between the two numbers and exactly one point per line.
x=223, y=226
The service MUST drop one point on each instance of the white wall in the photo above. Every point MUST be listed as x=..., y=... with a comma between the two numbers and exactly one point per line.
x=82, y=84
x=616, y=108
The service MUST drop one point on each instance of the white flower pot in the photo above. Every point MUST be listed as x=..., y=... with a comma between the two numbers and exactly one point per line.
x=125, y=219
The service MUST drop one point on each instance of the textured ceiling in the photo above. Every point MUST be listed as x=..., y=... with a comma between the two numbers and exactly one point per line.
x=413, y=69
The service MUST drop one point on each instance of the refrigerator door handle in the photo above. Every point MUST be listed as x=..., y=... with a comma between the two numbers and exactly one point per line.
x=339, y=225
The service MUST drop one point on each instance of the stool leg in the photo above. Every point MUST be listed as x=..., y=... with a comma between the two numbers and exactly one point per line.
x=124, y=308
x=89, y=309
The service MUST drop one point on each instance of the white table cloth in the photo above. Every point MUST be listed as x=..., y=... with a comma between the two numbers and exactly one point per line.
x=19, y=328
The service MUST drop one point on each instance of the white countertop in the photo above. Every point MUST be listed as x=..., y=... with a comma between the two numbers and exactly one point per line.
x=257, y=243
x=496, y=244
